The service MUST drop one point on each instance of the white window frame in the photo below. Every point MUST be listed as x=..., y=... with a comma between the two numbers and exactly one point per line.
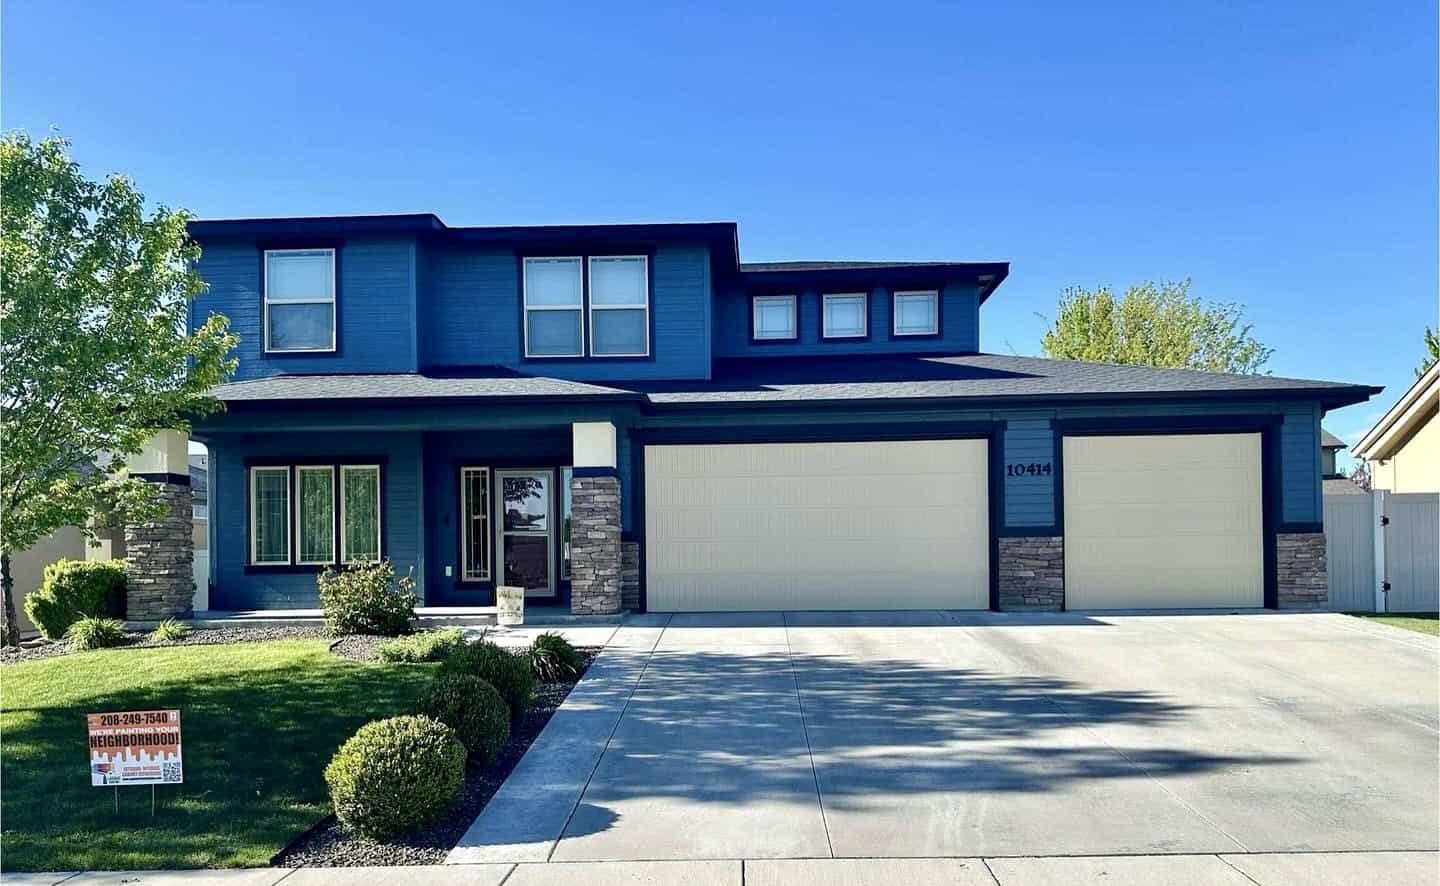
x=642, y=305
x=267, y=300
x=825, y=332
x=526, y=307
x=794, y=303
x=895, y=312
x=465, y=527
x=379, y=512
x=300, y=469
x=254, y=501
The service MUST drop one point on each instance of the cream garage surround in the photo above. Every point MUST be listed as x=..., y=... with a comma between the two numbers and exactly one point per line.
x=862, y=525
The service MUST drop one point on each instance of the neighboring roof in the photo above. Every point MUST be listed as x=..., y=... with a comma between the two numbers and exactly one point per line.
x=1415, y=407
x=755, y=381
x=1341, y=486
x=199, y=482
x=1330, y=441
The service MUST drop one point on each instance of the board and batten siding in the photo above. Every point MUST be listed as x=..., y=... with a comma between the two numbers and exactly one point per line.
x=403, y=519
x=1029, y=500
x=959, y=326
x=1300, y=485
x=375, y=308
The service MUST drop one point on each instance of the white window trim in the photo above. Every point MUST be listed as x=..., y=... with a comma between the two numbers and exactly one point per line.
x=643, y=305
x=268, y=301
x=465, y=526
x=755, y=317
x=379, y=514
x=825, y=315
x=526, y=307
x=300, y=469
x=895, y=313
x=254, y=501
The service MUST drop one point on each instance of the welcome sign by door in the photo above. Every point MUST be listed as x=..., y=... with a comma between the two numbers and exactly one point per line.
x=509, y=606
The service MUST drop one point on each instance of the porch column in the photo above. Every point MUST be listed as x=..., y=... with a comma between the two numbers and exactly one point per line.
x=594, y=520
x=160, y=554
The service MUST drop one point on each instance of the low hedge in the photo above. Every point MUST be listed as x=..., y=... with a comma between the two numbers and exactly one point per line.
x=425, y=646
x=74, y=589
x=396, y=775
x=508, y=672
x=473, y=708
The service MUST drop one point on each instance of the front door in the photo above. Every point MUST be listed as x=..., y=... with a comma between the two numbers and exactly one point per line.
x=527, y=532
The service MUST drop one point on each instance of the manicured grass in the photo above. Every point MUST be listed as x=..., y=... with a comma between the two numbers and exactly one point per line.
x=1424, y=622
x=259, y=721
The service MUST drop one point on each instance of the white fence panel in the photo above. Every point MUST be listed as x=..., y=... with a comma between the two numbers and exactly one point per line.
x=202, y=580
x=1350, y=552
x=1412, y=551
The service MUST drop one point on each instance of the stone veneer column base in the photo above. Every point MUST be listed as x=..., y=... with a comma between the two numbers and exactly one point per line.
x=630, y=574
x=1032, y=573
x=160, y=558
x=1301, y=576
x=595, y=545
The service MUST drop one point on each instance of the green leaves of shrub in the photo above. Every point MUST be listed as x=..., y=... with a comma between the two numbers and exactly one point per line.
x=73, y=589
x=396, y=775
x=366, y=598
x=426, y=646
x=96, y=633
x=169, y=631
x=473, y=708
x=553, y=658
x=509, y=673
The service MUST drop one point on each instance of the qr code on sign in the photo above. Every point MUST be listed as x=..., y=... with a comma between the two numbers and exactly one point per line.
x=170, y=771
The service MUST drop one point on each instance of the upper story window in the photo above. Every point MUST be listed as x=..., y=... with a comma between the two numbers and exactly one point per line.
x=773, y=318
x=917, y=313
x=845, y=315
x=299, y=300
x=553, y=305
x=619, y=306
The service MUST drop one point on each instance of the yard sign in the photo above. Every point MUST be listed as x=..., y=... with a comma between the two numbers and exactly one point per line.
x=134, y=747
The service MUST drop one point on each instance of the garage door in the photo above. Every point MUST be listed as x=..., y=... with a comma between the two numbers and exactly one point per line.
x=1163, y=522
x=892, y=525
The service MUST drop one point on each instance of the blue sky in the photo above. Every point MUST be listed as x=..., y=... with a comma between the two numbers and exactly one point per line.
x=1281, y=154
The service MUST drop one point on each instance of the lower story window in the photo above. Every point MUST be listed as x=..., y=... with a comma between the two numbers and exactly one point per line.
x=360, y=512
x=270, y=515
x=299, y=512
x=475, y=524
x=315, y=506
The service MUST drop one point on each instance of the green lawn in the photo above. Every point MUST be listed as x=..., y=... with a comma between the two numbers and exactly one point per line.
x=259, y=720
x=1424, y=622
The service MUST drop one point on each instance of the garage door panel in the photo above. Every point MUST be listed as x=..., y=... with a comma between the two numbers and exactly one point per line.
x=817, y=526
x=1163, y=521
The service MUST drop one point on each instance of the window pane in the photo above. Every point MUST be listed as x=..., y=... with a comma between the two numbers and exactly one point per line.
x=475, y=490
x=566, y=474
x=552, y=281
x=299, y=274
x=271, y=506
x=916, y=314
x=845, y=315
x=617, y=331
x=300, y=327
x=617, y=281
x=553, y=333
x=774, y=318
x=526, y=503
x=317, y=514
x=527, y=561
x=361, y=488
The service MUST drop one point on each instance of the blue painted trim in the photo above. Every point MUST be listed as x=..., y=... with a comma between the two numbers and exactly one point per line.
x=884, y=276
x=1288, y=528
x=595, y=472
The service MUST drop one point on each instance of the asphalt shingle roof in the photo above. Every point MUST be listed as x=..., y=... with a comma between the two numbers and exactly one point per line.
x=1330, y=441
x=405, y=386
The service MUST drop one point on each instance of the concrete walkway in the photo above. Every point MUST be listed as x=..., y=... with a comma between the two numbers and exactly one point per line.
x=1263, y=869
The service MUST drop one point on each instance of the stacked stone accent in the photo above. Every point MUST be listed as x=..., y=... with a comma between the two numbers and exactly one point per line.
x=1301, y=577
x=630, y=574
x=160, y=556
x=1032, y=573
x=595, y=545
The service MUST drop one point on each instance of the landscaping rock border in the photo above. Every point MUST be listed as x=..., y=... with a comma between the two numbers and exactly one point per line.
x=196, y=637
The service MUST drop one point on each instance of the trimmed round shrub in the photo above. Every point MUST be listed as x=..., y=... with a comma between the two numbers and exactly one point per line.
x=366, y=598
x=74, y=589
x=396, y=775
x=424, y=646
x=471, y=707
x=509, y=673
x=91, y=632
x=552, y=658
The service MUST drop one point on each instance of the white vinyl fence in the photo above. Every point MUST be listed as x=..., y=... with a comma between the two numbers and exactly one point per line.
x=1383, y=551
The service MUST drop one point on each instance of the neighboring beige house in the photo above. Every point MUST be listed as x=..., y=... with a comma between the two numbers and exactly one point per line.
x=28, y=567
x=1403, y=448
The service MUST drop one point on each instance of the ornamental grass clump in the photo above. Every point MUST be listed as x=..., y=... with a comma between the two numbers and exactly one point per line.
x=397, y=775
x=552, y=658
x=169, y=631
x=95, y=633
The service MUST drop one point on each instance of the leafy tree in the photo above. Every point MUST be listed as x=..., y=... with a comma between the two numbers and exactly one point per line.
x=1360, y=475
x=1154, y=325
x=95, y=356
x=1432, y=352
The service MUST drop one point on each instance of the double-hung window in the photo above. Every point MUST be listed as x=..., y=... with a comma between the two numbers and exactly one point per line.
x=773, y=318
x=845, y=315
x=300, y=513
x=553, y=307
x=299, y=300
x=917, y=313
x=619, y=306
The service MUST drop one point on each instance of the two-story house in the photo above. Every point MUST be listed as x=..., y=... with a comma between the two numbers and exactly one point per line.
x=628, y=416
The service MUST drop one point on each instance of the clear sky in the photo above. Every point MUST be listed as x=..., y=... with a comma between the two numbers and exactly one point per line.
x=1282, y=154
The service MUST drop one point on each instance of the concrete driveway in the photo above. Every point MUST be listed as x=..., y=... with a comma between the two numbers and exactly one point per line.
x=946, y=734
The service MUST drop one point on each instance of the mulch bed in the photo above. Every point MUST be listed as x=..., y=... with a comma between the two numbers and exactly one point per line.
x=196, y=637
x=328, y=845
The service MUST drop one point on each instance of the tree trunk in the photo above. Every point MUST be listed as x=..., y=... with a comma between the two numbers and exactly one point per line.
x=10, y=629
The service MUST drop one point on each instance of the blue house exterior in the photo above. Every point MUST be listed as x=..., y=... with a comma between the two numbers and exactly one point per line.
x=629, y=417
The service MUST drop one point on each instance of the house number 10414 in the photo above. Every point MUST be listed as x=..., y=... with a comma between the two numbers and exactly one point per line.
x=1032, y=469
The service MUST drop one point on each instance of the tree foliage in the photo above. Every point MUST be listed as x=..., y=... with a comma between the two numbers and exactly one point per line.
x=1432, y=352
x=1154, y=324
x=95, y=355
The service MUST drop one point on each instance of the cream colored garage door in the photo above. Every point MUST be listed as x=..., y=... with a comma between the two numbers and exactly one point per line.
x=1163, y=522
x=893, y=525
